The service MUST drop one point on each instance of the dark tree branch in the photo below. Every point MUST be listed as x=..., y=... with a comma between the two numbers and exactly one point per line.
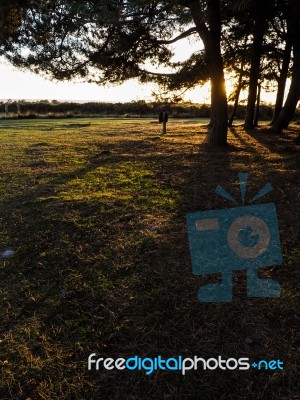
x=183, y=35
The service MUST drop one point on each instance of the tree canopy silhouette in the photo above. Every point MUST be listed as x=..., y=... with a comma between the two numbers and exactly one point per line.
x=111, y=41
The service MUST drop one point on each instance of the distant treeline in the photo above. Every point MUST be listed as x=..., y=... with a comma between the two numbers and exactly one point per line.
x=133, y=109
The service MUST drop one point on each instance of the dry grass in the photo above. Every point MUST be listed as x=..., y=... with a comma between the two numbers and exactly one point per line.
x=96, y=213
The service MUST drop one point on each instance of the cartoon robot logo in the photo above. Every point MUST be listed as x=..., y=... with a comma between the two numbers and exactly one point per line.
x=241, y=238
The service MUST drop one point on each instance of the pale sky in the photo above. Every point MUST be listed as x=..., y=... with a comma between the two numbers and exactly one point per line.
x=19, y=85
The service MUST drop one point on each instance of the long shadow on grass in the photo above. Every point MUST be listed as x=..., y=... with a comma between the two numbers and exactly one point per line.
x=282, y=144
x=168, y=320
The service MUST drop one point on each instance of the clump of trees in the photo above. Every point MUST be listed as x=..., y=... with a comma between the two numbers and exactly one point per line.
x=140, y=108
x=113, y=41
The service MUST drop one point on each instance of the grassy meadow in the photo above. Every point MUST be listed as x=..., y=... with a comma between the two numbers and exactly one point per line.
x=95, y=212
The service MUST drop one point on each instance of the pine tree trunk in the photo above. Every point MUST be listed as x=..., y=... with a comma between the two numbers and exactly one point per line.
x=237, y=97
x=235, y=106
x=212, y=42
x=290, y=105
x=256, y=117
x=239, y=86
x=219, y=110
x=282, y=80
x=259, y=30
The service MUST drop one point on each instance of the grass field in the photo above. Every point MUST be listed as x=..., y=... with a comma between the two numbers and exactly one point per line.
x=95, y=210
